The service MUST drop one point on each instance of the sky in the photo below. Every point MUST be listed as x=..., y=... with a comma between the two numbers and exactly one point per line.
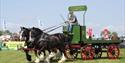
x=100, y=14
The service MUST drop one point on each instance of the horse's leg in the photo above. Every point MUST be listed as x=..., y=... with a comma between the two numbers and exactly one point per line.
x=52, y=54
x=28, y=57
x=63, y=59
x=39, y=58
x=42, y=55
x=49, y=51
x=58, y=54
x=35, y=52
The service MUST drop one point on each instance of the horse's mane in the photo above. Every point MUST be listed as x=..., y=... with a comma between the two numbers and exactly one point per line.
x=37, y=29
x=24, y=28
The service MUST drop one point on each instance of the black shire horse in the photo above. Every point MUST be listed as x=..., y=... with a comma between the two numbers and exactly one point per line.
x=24, y=34
x=51, y=42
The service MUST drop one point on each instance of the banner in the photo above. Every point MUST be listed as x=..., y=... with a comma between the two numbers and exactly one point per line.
x=14, y=45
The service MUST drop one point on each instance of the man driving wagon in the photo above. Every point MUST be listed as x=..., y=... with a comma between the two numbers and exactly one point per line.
x=72, y=20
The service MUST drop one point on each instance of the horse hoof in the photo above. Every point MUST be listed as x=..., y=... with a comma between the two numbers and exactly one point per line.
x=29, y=61
x=29, y=57
x=60, y=62
x=45, y=62
x=32, y=62
x=37, y=60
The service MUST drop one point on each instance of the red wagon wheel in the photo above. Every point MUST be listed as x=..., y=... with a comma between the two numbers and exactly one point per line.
x=113, y=51
x=87, y=53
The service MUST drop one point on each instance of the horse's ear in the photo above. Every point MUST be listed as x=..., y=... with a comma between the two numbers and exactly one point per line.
x=33, y=27
x=22, y=27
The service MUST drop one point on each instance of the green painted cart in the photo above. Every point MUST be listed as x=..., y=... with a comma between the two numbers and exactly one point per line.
x=89, y=48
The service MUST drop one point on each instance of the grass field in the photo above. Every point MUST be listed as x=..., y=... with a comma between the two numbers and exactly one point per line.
x=9, y=56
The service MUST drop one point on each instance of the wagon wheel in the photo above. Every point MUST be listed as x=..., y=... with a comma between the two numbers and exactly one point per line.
x=71, y=55
x=98, y=51
x=75, y=55
x=74, y=52
x=113, y=51
x=87, y=53
x=67, y=52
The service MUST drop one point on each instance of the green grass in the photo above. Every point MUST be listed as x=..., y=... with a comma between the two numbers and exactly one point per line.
x=9, y=56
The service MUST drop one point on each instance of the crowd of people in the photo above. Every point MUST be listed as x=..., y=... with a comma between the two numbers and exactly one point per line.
x=13, y=37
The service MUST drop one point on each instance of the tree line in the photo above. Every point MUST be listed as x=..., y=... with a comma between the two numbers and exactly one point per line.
x=5, y=32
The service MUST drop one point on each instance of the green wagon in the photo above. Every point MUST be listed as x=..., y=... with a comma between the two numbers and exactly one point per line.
x=89, y=48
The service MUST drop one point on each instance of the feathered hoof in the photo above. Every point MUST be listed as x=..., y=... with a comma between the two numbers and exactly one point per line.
x=31, y=62
x=37, y=61
x=47, y=62
x=60, y=61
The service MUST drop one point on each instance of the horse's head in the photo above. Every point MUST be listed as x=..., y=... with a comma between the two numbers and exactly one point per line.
x=34, y=35
x=24, y=33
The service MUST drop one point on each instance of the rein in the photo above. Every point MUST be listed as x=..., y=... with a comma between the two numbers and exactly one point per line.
x=53, y=26
x=54, y=29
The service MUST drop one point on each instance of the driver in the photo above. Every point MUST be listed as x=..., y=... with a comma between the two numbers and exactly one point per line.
x=72, y=20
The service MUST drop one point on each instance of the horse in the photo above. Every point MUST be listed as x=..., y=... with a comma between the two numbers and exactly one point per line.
x=24, y=34
x=51, y=42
